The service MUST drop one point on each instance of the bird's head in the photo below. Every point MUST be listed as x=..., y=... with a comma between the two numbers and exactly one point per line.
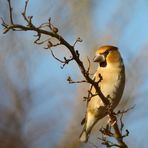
x=107, y=55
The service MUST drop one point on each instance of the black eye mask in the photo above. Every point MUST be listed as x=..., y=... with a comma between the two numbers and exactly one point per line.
x=104, y=63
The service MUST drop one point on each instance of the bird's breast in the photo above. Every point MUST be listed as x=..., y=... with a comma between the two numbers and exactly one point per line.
x=112, y=84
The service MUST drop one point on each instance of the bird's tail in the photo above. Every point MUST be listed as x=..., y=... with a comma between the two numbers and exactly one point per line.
x=84, y=136
x=88, y=125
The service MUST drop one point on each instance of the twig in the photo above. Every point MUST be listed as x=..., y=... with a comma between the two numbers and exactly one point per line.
x=88, y=69
x=106, y=131
x=108, y=143
x=10, y=11
x=44, y=25
x=52, y=27
x=124, y=111
x=38, y=37
x=121, y=123
x=100, y=78
x=24, y=12
x=41, y=42
x=57, y=58
x=77, y=40
x=66, y=61
x=117, y=133
x=71, y=81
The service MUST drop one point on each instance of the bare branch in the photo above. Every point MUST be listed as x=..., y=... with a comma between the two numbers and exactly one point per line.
x=71, y=81
x=43, y=25
x=89, y=65
x=121, y=113
x=57, y=58
x=108, y=143
x=76, y=57
x=126, y=134
x=38, y=35
x=3, y=23
x=125, y=111
x=24, y=12
x=77, y=40
x=10, y=11
x=42, y=42
x=25, y=8
x=66, y=61
x=100, y=78
x=52, y=27
x=75, y=53
x=106, y=131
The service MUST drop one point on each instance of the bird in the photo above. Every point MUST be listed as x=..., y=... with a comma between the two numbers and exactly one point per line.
x=111, y=69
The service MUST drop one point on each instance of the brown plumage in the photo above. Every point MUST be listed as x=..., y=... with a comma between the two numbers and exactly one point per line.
x=111, y=68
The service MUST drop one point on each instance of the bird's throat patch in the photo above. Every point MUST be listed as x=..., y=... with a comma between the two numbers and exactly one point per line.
x=103, y=64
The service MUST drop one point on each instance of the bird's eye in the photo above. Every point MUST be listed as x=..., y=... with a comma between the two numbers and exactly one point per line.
x=106, y=53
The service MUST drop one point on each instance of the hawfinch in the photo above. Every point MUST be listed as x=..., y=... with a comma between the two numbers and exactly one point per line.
x=111, y=68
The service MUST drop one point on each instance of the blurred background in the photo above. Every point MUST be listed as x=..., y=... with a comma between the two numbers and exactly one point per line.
x=38, y=108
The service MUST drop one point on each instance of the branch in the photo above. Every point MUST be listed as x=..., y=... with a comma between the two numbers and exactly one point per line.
x=24, y=12
x=117, y=133
x=121, y=113
x=74, y=56
x=125, y=111
x=89, y=65
x=66, y=61
x=71, y=81
x=77, y=40
x=28, y=19
x=10, y=11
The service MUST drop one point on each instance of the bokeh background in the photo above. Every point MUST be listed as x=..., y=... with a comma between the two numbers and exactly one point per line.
x=38, y=108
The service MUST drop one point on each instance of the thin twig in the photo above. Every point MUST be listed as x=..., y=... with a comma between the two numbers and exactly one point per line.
x=89, y=65
x=77, y=40
x=57, y=58
x=71, y=81
x=41, y=42
x=125, y=111
x=52, y=27
x=108, y=143
x=25, y=9
x=10, y=12
x=66, y=61
x=44, y=25
x=38, y=35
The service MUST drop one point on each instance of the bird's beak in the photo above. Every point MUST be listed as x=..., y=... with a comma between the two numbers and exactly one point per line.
x=99, y=58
